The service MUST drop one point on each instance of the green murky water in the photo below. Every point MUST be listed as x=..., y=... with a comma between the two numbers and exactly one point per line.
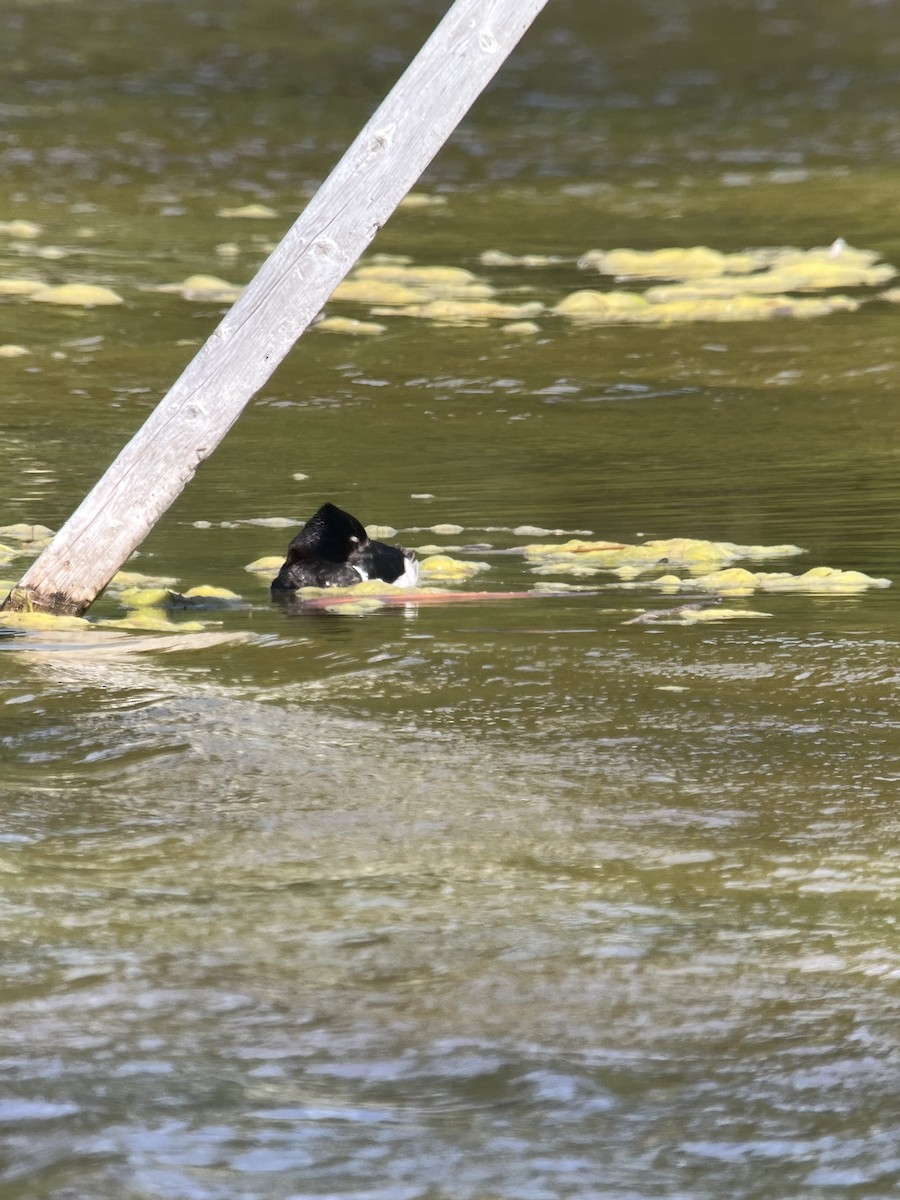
x=501, y=901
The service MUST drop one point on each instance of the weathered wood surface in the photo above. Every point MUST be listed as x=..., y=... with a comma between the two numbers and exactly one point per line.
x=419, y=114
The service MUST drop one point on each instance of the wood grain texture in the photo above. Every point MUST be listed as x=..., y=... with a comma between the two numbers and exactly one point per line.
x=454, y=66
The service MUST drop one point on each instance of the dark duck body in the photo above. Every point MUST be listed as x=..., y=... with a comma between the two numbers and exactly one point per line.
x=334, y=550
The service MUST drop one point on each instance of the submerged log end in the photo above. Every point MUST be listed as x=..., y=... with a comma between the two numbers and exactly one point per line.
x=27, y=599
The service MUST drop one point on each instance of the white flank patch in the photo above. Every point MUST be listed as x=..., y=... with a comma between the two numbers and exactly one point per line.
x=410, y=576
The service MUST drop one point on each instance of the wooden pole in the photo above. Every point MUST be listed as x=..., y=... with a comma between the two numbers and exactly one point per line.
x=447, y=75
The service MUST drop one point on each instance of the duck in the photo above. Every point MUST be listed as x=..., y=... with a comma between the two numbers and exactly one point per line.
x=334, y=550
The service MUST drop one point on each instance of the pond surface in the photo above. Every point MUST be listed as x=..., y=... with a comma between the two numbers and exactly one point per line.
x=512, y=900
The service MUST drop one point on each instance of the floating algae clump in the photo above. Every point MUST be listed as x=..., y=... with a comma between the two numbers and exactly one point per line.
x=821, y=579
x=578, y=571
x=203, y=287
x=262, y=572
x=754, y=285
x=808, y=273
x=126, y=579
x=605, y=307
x=269, y=565
x=468, y=312
x=732, y=581
x=77, y=295
x=444, y=569
x=359, y=607
x=40, y=621
x=736, y=581
x=422, y=200
x=251, y=212
x=708, y=285
x=699, y=616
x=376, y=291
x=685, y=303
x=783, y=268
x=753, y=308
x=403, y=285
x=357, y=599
x=144, y=597
x=350, y=325
x=693, y=262
x=20, y=229
x=449, y=280
x=837, y=265
x=207, y=595
x=30, y=537
x=25, y=533
x=693, y=554
x=154, y=619
x=499, y=258
x=21, y=287
x=368, y=587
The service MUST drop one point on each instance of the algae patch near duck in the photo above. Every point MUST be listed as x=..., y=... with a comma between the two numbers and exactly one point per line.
x=708, y=566
x=694, y=554
x=739, y=582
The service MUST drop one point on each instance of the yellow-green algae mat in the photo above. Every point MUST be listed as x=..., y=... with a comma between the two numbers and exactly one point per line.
x=695, y=283
x=672, y=566
x=710, y=286
x=705, y=566
x=148, y=602
x=702, y=566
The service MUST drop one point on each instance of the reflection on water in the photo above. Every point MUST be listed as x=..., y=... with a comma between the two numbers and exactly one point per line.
x=486, y=900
